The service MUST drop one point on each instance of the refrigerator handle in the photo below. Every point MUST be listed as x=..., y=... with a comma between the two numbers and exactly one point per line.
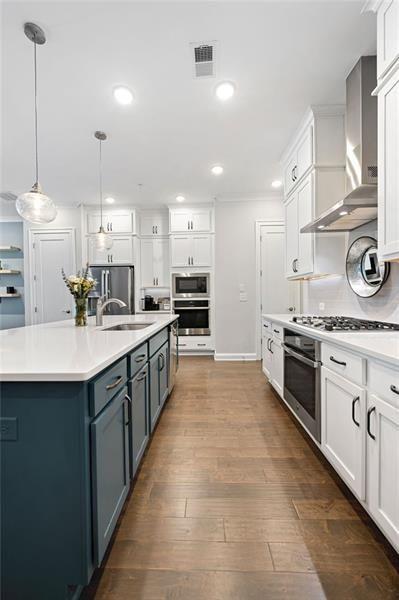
x=102, y=292
x=107, y=290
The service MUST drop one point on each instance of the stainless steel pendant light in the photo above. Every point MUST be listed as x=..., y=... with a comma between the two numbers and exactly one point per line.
x=101, y=240
x=34, y=206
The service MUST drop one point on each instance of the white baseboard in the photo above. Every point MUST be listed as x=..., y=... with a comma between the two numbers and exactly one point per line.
x=242, y=357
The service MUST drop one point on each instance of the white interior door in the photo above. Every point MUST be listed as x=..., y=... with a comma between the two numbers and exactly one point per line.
x=278, y=295
x=52, y=250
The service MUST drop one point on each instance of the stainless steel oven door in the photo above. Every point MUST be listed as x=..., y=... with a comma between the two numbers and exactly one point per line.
x=190, y=285
x=194, y=317
x=302, y=388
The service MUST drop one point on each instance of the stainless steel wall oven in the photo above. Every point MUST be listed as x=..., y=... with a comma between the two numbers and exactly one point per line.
x=194, y=317
x=302, y=388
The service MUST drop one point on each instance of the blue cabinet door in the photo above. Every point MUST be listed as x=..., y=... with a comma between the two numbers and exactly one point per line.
x=155, y=404
x=140, y=417
x=158, y=382
x=110, y=470
x=163, y=363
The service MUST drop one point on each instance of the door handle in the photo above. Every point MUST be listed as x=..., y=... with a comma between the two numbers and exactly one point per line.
x=143, y=376
x=161, y=356
x=153, y=229
x=129, y=410
x=369, y=413
x=188, y=224
x=338, y=362
x=156, y=228
x=68, y=312
x=357, y=399
x=270, y=346
x=140, y=358
x=393, y=388
x=111, y=386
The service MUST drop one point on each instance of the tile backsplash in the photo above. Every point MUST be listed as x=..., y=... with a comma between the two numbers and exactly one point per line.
x=339, y=299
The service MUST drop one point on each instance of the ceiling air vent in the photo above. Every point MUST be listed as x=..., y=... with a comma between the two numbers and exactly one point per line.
x=204, y=59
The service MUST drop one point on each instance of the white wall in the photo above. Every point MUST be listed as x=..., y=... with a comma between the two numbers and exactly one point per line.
x=339, y=298
x=235, y=265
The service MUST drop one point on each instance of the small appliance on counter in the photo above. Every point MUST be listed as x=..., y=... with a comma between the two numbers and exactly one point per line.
x=149, y=303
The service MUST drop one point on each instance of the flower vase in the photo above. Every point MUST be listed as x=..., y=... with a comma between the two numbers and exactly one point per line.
x=80, y=312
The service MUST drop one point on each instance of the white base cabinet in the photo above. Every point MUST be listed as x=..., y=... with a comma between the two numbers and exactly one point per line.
x=383, y=466
x=343, y=439
x=273, y=355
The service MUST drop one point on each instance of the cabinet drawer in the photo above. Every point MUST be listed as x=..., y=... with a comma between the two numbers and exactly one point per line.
x=137, y=359
x=383, y=381
x=266, y=327
x=158, y=340
x=345, y=363
x=278, y=331
x=106, y=385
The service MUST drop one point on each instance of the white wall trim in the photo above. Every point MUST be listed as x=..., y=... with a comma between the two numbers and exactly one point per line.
x=30, y=294
x=236, y=357
x=258, y=293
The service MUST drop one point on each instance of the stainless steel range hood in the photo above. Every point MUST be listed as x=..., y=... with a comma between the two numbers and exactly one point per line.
x=360, y=204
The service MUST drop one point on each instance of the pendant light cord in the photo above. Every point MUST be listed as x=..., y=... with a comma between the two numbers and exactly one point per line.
x=36, y=144
x=101, y=187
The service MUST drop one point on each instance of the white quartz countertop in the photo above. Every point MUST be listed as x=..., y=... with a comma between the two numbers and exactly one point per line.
x=381, y=345
x=60, y=351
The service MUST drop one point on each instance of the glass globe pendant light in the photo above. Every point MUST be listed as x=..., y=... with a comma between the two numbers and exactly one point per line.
x=34, y=206
x=101, y=240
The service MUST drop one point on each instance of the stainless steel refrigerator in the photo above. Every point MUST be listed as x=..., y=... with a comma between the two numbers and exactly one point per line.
x=113, y=282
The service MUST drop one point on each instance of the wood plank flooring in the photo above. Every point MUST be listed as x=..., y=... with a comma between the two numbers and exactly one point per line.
x=233, y=503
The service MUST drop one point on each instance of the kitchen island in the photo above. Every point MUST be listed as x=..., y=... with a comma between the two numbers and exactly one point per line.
x=78, y=406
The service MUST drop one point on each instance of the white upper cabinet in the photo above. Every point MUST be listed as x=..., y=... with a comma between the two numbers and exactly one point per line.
x=192, y=219
x=318, y=142
x=155, y=263
x=388, y=168
x=118, y=221
x=121, y=252
x=300, y=161
x=314, y=178
x=309, y=254
x=153, y=223
x=387, y=36
x=191, y=250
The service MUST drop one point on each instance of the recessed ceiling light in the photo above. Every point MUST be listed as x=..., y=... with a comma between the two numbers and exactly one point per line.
x=123, y=95
x=180, y=198
x=321, y=227
x=225, y=90
x=277, y=183
x=110, y=200
x=343, y=213
x=217, y=170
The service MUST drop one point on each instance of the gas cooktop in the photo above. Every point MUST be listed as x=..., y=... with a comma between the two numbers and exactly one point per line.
x=338, y=323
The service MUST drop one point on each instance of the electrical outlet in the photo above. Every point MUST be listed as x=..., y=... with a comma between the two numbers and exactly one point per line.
x=322, y=306
x=8, y=429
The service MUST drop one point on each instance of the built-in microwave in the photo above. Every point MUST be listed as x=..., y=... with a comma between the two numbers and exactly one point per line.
x=190, y=285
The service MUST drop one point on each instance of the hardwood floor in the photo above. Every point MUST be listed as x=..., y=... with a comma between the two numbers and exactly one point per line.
x=232, y=503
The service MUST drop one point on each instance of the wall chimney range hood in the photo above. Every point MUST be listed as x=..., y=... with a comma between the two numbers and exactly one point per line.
x=360, y=204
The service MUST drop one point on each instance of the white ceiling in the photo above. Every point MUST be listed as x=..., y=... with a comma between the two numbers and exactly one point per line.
x=282, y=56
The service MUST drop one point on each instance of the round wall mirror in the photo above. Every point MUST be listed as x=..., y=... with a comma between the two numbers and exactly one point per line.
x=365, y=273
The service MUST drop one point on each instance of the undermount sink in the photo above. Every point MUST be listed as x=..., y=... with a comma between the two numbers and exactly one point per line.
x=128, y=327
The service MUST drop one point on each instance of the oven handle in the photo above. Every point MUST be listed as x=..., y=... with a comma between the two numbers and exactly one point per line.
x=180, y=308
x=311, y=363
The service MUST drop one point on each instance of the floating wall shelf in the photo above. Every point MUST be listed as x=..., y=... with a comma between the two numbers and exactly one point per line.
x=5, y=295
x=9, y=249
x=9, y=272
